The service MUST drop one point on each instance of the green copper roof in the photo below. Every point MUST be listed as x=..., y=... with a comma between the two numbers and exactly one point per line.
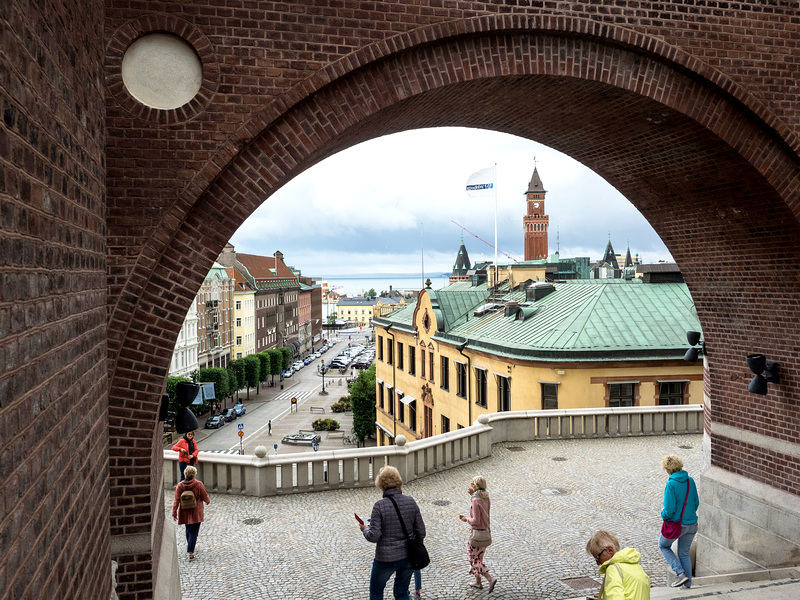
x=453, y=305
x=581, y=320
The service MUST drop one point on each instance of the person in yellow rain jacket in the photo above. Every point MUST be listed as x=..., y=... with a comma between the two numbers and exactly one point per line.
x=624, y=578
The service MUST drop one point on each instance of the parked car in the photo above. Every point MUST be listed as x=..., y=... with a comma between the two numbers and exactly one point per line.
x=298, y=365
x=240, y=409
x=215, y=422
x=307, y=360
x=287, y=373
x=228, y=414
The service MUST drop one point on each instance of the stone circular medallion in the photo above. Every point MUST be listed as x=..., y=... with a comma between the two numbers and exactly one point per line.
x=162, y=71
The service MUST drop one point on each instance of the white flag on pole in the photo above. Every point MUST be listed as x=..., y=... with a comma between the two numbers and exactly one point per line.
x=481, y=183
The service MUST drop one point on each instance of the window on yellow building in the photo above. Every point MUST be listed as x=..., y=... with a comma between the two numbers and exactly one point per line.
x=422, y=362
x=445, y=372
x=389, y=352
x=461, y=374
x=671, y=392
x=430, y=360
x=401, y=408
x=503, y=393
x=380, y=395
x=412, y=415
x=480, y=387
x=621, y=394
x=380, y=347
x=445, y=424
x=399, y=356
x=412, y=360
x=549, y=396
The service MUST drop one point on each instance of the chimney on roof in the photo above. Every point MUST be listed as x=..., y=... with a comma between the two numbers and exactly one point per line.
x=279, y=255
x=511, y=308
x=538, y=290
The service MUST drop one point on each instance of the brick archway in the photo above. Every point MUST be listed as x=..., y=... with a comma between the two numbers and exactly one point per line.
x=712, y=170
x=111, y=213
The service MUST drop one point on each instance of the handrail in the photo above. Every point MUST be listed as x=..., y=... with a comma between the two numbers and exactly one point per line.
x=262, y=474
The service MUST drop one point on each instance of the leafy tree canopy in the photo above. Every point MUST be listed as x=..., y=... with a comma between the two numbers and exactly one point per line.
x=371, y=292
x=238, y=378
x=219, y=377
x=266, y=366
x=252, y=370
x=275, y=361
x=287, y=357
x=362, y=397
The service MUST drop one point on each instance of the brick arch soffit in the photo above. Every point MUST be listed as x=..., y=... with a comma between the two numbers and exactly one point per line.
x=280, y=110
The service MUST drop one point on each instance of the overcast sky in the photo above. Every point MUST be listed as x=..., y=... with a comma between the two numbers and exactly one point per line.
x=372, y=208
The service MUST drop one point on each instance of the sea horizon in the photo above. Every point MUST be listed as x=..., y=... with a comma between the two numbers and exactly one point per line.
x=360, y=284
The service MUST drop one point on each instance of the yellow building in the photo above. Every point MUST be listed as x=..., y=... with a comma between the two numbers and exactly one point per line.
x=362, y=310
x=457, y=353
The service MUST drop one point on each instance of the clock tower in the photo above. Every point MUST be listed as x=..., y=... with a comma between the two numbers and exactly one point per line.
x=536, y=222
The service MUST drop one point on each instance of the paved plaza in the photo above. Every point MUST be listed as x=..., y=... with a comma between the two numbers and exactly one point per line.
x=547, y=498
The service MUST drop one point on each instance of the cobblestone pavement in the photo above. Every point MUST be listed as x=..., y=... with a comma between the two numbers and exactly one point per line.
x=547, y=499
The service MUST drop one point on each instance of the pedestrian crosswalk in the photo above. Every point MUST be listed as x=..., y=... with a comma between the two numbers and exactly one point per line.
x=291, y=394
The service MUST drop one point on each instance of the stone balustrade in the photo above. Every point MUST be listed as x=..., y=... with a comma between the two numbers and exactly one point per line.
x=263, y=474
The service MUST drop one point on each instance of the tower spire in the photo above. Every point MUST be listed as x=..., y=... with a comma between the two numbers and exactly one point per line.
x=536, y=222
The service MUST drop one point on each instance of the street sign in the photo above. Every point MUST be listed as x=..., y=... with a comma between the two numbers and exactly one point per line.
x=241, y=433
x=241, y=426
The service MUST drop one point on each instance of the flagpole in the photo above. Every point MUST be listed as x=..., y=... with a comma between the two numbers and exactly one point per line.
x=495, y=225
x=422, y=250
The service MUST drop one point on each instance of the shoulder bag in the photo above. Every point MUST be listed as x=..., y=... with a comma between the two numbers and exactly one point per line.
x=417, y=553
x=480, y=538
x=672, y=529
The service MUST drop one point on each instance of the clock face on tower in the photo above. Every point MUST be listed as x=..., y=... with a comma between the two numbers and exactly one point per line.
x=535, y=205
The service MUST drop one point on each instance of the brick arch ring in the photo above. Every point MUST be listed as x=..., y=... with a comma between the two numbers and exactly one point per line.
x=653, y=48
x=137, y=28
x=255, y=163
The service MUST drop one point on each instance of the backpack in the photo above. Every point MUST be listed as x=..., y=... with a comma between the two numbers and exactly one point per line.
x=188, y=500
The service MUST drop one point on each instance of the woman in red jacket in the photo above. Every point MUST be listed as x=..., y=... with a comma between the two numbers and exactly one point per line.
x=187, y=451
x=191, y=517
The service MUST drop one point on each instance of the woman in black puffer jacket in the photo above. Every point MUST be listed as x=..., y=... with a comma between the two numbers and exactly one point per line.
x=384, y=530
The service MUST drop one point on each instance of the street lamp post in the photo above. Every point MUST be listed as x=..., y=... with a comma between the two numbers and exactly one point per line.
x=322, y=368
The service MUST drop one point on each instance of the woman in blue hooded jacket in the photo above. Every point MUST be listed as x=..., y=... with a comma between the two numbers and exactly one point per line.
x=680, y=488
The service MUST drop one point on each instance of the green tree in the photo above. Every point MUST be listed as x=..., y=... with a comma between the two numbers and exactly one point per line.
x=275, y=362
x=332, y=319
x=238, y=378
x=172, y=384
x=287, y=358
x=371, y=292
x=362, y=397
x=219, y=377
x=266, y=367
x=252, y=372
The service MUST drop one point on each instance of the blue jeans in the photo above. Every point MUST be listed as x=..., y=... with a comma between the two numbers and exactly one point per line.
x=382, y=571
x=192, y=529
x=682, y=563
x=417, y=580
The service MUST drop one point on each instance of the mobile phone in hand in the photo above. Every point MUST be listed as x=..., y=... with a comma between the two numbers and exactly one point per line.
x=359, y=519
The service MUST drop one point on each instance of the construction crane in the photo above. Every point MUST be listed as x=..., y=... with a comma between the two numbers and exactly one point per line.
x=484, y=241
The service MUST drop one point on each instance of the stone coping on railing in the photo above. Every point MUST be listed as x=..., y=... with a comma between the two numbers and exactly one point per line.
x=262, y=474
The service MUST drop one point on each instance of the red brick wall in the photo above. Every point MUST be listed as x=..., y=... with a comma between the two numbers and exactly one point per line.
x=689, y=109
x=54, y=495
